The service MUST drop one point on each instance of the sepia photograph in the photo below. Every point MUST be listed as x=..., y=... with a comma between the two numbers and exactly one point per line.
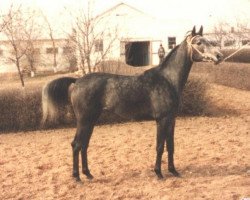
x=125, y=99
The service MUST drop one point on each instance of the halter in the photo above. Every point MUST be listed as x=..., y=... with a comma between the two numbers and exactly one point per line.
x=191, y=47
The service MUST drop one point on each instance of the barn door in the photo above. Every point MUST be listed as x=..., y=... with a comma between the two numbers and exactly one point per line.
x=155, y=44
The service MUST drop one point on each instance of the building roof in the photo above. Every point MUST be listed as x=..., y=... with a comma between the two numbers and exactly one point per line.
x=122, y=4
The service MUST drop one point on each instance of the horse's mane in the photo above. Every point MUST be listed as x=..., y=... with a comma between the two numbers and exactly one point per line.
x=166, y=59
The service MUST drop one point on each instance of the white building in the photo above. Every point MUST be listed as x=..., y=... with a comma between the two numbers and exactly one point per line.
x=43, y=56
x=139, y=36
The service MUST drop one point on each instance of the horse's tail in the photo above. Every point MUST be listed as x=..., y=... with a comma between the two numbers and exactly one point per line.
x=55, y=95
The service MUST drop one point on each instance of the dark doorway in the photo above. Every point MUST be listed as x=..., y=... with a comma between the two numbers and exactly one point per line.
x=137, y=53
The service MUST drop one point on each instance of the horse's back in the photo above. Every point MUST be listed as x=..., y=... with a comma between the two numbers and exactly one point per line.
x=123, y=95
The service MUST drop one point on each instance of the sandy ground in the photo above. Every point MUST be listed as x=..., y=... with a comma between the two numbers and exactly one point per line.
x=212, y=155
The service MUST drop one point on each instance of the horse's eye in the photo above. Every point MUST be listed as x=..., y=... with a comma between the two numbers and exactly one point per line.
x=199, y=43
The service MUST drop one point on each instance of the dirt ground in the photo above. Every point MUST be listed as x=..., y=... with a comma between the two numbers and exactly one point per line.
x=212, y=155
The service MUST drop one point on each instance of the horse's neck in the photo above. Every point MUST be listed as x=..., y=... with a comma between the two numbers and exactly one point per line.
x=177, y=69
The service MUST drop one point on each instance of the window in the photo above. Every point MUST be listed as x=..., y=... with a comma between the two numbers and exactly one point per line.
x=67, y=50
x=228, y=43
x=98, y=45
x=244, y=42
x=171, y=42
x=51, y=50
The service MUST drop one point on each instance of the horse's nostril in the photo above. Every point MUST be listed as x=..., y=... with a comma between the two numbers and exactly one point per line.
x=219, y=56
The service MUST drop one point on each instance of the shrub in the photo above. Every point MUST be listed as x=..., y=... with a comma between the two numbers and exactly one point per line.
x=229, y=74
x=232, y=76
x=20, y=109
x=194, y=100
x=241, y=57
x=118, y=67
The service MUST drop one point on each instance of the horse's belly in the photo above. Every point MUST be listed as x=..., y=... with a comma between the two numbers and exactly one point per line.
x=130, y=110
x=126, y=98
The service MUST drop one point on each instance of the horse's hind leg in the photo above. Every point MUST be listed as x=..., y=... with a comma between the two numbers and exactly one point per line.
x=81, y=139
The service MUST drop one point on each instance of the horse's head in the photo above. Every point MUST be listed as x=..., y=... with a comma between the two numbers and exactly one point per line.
x=200, y=48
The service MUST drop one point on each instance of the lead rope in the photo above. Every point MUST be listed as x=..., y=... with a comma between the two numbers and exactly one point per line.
x=235, y=52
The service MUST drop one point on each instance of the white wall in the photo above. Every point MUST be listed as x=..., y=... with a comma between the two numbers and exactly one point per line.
x=134, y=25
x=45, y=59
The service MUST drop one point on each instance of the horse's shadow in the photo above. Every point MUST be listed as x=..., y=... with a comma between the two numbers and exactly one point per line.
x=189, y=171
x=214, y=170
x=214, y=110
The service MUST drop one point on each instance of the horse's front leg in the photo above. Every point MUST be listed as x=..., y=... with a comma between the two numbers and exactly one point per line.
x=85, y=143
x=160, y=140
x=170, y=147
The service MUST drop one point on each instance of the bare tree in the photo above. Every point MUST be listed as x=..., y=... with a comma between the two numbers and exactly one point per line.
x=32, y=31
x=52, y=38
x=69, y=51
x=221, y=30
x=32, y=56
x=21, y=31
x=243, y=27
x=234, y=36
x=94, y=38
x=14, y=30
x=3, y=23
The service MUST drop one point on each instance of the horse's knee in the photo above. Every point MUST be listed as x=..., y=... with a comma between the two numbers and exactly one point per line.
x=160, y=149
x=75, y=146
x=73, y=143
x=170, y=148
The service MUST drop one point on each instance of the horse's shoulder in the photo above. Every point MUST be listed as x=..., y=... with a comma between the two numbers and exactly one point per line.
x=159, y=85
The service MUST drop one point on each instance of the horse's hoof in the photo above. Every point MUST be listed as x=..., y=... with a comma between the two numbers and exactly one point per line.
x=159, y=174
x=76, y=177
x=174, y=172
x=88, y=175
x=78, y=180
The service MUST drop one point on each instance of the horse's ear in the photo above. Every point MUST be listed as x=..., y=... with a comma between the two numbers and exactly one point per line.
x=201, y=31
x=194, y=31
